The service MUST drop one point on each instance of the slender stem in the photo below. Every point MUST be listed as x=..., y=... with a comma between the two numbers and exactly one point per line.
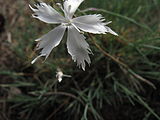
x=107, y=54
x=121, y=63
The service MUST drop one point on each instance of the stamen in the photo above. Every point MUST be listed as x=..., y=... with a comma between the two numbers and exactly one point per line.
x=69, y=8
x=60, y=6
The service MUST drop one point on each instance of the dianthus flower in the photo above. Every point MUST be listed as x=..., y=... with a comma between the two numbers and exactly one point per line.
x=77, y=47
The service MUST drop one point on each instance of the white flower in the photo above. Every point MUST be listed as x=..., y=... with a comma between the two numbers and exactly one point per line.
x=60, y=75
x=77, y=47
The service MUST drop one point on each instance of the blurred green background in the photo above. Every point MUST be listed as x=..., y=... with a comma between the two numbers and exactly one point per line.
x=122, y=82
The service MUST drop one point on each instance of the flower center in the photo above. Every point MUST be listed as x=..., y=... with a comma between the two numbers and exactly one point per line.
x=67, y=22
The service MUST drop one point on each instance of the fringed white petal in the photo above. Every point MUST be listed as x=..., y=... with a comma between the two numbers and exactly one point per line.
x=78, y=48
x=109, y=30
x=50, y=41
x=70, y=6
x=33, y=61
x=93, y=24
x=46, y=13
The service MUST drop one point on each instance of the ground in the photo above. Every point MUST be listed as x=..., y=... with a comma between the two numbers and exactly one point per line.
x=122, y=82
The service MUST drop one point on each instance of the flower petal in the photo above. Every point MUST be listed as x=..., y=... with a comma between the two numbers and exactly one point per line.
x=93, y=24
x=46, y=13
x=49, y=41
x=109, y=30
x=77, y=47
x=70, y=6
